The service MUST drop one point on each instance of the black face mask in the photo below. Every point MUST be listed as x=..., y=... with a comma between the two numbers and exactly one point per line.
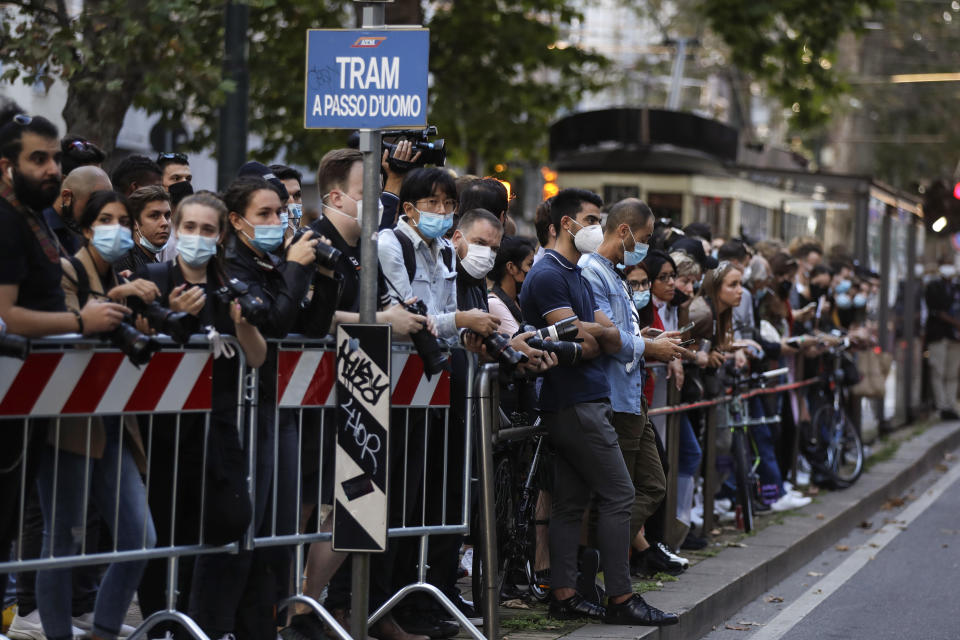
x=783, y=289
x=66, y=214
x=178, y=191
x=816, y=291
x=679, y=298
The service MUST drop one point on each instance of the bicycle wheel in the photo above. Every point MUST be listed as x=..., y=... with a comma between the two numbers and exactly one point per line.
x=845, y=452
x=741, y=465
x=818, y=438
x=503, y=488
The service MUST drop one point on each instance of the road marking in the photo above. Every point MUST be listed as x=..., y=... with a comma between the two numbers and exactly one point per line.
x=818, y=593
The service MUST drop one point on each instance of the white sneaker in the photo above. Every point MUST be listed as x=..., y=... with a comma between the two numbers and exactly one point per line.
x=788, y=502
x=673, y=557
x=28, y=627
x=696, y=516
x=723, y=504
x=85, y=624
x=466, y=562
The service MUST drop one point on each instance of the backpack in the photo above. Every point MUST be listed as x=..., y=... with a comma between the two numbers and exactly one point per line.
x=410, y=258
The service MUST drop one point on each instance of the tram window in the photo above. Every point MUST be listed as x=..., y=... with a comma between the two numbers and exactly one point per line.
x=613, y=193
x=754, y=220
x=667, y=205
x=715, y=212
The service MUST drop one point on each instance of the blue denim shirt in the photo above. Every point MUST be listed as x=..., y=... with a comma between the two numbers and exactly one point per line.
x=625, y=368
x=433, y=283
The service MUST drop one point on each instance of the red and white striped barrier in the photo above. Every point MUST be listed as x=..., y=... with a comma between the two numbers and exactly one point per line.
x=308, y=379
x=87, y=382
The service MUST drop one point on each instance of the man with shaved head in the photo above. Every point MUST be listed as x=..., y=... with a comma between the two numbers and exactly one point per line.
x=62, y=216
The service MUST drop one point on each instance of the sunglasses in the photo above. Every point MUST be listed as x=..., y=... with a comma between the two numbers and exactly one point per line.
x=179, y=158
x=80, y=145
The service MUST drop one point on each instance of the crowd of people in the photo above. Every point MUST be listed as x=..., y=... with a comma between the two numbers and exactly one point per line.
x=640, y=305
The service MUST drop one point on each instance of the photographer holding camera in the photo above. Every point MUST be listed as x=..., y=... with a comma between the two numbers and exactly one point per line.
x=108, y=450
x=190, y=284
x=575, y=406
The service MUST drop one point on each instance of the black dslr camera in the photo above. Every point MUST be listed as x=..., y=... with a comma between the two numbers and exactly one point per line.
x=179, y=325
x=13, y=346
x=434, y=360
x=498, y=347
x=253, y=309
x=326, y=256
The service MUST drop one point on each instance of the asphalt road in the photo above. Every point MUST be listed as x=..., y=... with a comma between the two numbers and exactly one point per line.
x=897, y=576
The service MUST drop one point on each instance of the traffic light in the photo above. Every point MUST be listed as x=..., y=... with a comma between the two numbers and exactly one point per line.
x=550, y=187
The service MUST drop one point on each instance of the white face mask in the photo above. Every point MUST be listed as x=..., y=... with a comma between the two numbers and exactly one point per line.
x=359, y=216
x=479, y=260
x=948, y=271
x=588, y=239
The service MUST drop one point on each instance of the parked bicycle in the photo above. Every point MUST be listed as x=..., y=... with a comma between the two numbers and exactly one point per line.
x=746, y=456
x=831, y=442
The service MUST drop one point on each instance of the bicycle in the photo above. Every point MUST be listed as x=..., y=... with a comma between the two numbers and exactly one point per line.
x=515, y=503
x=832, y=443
x=745, y=469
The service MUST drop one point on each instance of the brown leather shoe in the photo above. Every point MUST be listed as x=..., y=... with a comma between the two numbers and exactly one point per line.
x=387, y=628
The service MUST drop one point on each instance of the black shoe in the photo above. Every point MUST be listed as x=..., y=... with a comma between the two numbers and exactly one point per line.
x=304, y=626
x=656, y=560
x=426, y=623
x=466, y=608
x=949, y=414
x=693, y=543
x=575, y=608
x=588, y=563
x=635, y=610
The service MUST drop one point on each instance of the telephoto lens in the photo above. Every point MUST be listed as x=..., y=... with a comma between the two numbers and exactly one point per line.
x=434, y=360
x=138, y=347
x=568, y=353
x=13, y=346
x=179, y=325
x=563, y=330
x=498, y=347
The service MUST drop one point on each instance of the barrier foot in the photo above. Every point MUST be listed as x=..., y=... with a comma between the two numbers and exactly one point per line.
x=178, y=617
x=439, y=596
x=321, y=612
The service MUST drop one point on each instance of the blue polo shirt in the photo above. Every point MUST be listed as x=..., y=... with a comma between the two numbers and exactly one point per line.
x=556, y=283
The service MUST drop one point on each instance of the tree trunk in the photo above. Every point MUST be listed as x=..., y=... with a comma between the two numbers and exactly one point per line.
x=97, y=118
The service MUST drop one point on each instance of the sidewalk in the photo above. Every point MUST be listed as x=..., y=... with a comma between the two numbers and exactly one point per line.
x=736, y=568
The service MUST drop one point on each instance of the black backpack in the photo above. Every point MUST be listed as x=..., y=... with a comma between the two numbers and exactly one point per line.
x=410, y=258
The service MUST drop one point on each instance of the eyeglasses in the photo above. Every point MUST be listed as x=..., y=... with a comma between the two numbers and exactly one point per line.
x=666, y=277
x=433, y=204
x=639, y=285
x=178, y=158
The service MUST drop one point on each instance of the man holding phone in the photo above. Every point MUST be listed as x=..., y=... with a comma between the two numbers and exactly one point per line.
x=628, y=227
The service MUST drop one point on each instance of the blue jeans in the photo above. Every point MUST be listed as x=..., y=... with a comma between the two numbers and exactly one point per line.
x=688, y=455
x=132, y=529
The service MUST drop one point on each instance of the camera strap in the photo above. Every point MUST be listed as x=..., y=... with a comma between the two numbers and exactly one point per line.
x=509, y=302
x=410, y=256
x=82, y=281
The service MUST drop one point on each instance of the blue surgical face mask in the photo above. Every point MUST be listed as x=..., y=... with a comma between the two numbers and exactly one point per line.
x=636, y=255
x=641, y=298
x=844, y=286
x=266, y=237
x=149, y=246
x=843, y=301
x=434, y=225
x=284, y=219
x=859, y=301
x=196, y=250
x=112, y=241
x=295, y=212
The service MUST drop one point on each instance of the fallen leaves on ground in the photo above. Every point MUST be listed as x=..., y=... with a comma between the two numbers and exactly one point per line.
x=734, y=627
x=750, y=623
x=774, y=599
x=942, y=468
x=820, y=516
x=516, y=603
x=892, y=503
x=737, y=544
x=842, y=547
x=814, y=574
x=865, y=524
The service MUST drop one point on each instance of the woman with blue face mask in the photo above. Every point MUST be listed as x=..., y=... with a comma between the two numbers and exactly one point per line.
x=99, y=461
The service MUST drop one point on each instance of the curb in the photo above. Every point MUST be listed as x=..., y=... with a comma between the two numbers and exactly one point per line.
x=709, y=592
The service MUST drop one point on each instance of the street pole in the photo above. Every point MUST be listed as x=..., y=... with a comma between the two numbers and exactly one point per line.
x=232, y=135
x=370, y=141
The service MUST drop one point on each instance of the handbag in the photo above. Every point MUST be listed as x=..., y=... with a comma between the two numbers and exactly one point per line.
x=873, y=366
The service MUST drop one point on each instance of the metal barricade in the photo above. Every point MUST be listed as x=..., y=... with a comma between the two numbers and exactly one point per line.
x=429, y=469
x=73, y=402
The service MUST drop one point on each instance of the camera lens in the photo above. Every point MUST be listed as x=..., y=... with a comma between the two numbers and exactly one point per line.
x=14, y=346
x=138, y=347
x=498, y=346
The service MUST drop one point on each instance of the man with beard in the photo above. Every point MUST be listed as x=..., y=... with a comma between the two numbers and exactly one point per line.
x=62, y=216
x=31, y=300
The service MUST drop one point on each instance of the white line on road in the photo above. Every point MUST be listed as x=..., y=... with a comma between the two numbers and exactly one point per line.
x=793, y=614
